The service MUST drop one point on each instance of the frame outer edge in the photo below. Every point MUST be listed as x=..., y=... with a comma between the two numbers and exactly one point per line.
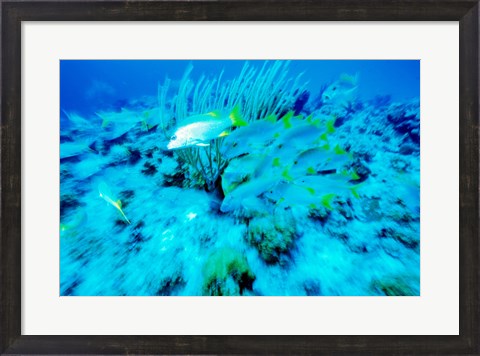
x=469, y=181
x=10, y=185
x=11, y=340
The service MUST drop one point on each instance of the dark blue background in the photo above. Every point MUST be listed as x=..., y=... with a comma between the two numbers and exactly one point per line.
x=90, y=85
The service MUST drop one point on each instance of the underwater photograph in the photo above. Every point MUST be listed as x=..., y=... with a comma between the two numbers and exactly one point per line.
x=239, y=178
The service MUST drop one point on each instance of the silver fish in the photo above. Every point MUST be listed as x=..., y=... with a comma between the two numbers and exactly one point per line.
x=201, y=129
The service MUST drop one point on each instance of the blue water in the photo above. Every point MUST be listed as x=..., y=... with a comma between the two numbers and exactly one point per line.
x=197, y=178
x=86, y=86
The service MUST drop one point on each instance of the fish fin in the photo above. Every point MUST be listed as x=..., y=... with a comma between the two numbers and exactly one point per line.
x=280, y=201
x=215, y=113
x=322, y=137
x=317, y=123
x=310, y=190
x=271, y=118
x=338, y=150
x=276, y=162
x=224, y=133
x=312, y=206
x=286, y=175
x=330, y=125
x=119, y=207
x=286, y=119
x=351, y=79
x=347, y=78
x=327, y=201
x=236, y=117
x=350, y=91
x=354, y=190
x=125, y=217
x=311, y=170
x=66, y=113
x=230, y=188
x=105, y=121
x=354, y=176
x=344, y=173
x=309, y=119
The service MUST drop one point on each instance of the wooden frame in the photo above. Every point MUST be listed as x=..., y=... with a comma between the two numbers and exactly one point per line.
x=14, y=12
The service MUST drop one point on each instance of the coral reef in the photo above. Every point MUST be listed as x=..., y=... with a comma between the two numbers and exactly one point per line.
x=273, y=235
x=395, y=286
x=227, y=272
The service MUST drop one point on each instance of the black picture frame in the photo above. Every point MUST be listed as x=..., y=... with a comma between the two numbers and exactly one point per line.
x=14, y=12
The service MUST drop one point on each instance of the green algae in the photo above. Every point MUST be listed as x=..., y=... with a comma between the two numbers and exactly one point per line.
x=227, y=273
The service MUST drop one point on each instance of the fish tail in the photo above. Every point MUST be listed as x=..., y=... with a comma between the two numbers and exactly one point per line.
x=338, y=150
x=311, y=170
x=286, y=175
x=330, y=125
x=271, y=118
x=351, y=79
x=286, y=119
x=118, y=204
x=124, y=216
x=354, y=190
x=236, y=117
x=354, y=175
x=327, y=201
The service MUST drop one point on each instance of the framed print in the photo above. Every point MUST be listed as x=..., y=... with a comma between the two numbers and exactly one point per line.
x=263, y=181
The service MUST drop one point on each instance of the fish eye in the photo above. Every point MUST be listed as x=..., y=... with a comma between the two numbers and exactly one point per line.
x=174, y=137
x=334, y=88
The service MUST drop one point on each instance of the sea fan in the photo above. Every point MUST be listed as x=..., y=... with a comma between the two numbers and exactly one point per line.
x=261, y=92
